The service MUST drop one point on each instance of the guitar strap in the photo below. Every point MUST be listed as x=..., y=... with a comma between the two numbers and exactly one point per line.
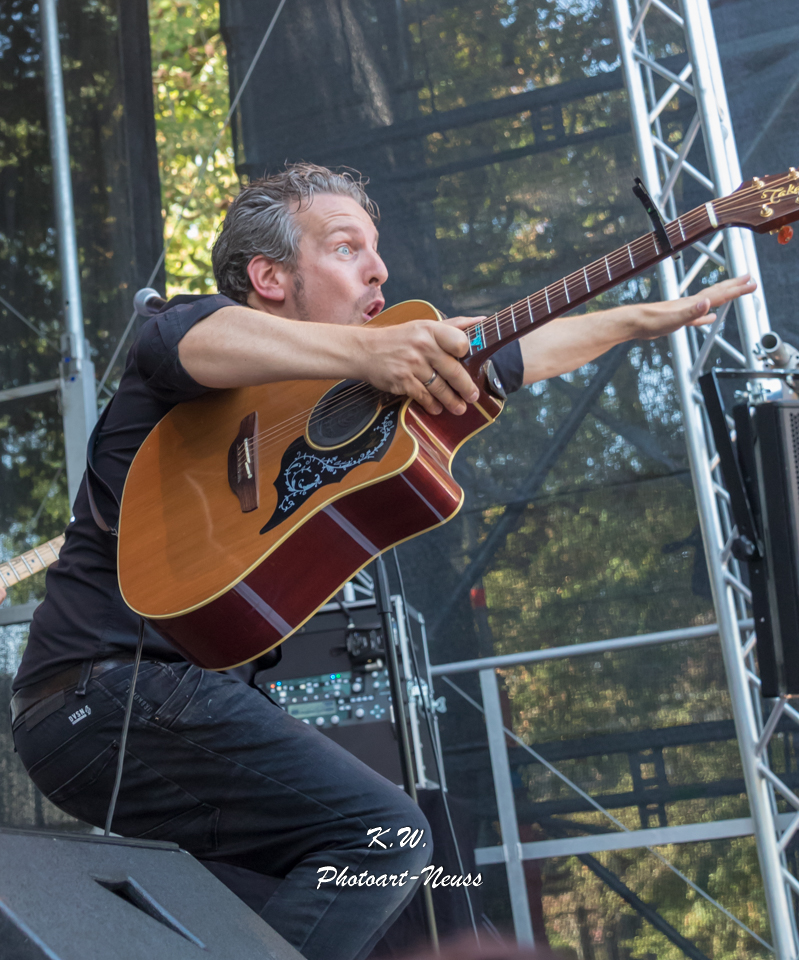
x=93, y=476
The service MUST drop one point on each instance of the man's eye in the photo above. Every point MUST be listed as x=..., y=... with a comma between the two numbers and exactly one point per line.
x=344, y=248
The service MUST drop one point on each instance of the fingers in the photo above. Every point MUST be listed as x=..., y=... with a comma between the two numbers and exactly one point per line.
x=403, y=358
x=453, y=388
x=462, y=322
x=721, y=293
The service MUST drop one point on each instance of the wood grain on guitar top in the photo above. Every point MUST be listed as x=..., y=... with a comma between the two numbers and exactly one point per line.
x=184, y=539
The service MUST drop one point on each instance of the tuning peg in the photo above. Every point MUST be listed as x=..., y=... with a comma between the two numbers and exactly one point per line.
x=757, y=183
x=785, y=234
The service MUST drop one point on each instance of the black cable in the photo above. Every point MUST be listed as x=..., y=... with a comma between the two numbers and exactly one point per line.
x=439, y=763
x=125, y=725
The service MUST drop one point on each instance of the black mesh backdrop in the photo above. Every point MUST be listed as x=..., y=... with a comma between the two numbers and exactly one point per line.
x=108, y=88
x=496, y=137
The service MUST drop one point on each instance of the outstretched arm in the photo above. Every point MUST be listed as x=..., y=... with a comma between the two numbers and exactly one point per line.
x=567, y=343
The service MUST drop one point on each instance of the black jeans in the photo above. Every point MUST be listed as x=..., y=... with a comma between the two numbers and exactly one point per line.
x=215, y=766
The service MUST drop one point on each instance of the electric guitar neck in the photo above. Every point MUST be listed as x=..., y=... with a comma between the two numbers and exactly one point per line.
x=32, y=561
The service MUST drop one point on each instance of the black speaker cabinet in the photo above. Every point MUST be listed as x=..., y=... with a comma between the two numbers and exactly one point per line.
x=768, y=455
x=80, y=897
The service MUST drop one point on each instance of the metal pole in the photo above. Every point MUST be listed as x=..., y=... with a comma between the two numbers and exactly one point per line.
x=722, y=153
x=506, y=808
x=383, y=600
x=711, y=104
x=79, y=404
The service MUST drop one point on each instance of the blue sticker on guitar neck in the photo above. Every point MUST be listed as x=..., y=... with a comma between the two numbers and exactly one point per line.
x=478, y=339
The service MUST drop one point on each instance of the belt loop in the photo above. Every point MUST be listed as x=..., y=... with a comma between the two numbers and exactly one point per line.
x=85, y=677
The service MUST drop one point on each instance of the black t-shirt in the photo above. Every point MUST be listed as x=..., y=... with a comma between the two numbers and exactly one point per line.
x=83, y=615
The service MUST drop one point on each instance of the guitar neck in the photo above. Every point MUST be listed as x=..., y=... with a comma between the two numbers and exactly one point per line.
x=486, y=337
x=32, y=561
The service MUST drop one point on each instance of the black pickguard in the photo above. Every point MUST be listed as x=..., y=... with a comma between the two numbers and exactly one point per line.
x=303, y=470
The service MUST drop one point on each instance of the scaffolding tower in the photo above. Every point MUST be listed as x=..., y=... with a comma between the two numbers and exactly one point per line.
x=652, y=88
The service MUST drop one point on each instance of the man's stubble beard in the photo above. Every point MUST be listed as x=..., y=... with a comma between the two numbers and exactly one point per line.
x=301, y=301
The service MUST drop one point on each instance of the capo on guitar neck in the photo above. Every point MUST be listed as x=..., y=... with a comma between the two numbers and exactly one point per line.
x=652, y=211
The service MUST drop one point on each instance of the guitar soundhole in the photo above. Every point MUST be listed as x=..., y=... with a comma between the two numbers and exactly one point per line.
x=343, y=413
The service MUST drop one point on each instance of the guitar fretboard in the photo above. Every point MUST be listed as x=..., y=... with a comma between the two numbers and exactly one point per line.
x=584, y=284
x=32, y=561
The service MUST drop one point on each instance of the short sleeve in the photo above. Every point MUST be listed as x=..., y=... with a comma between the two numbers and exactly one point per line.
x=155, y=352
x=509, y=364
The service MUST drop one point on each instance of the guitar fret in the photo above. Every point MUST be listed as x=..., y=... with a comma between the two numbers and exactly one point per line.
x=582, y=284
x=13, y=569
x=39, y=558
x=3, y=577
x=28, y=567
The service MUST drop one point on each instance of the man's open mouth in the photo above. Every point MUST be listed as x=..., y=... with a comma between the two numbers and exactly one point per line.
x=372, y=309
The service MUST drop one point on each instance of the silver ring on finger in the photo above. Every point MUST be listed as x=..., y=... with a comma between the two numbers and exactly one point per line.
x=427, y=383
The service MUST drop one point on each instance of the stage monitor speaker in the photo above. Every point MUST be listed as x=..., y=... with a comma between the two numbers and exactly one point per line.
x=82, y=897
x=767, y=439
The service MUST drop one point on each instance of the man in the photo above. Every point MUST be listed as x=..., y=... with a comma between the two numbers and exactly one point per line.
x=211, y=762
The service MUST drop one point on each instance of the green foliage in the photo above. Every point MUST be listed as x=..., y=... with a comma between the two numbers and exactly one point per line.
x=191, y=103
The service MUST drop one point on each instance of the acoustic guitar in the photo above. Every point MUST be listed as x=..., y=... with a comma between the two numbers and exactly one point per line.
x=32, y=561
x=245, y=510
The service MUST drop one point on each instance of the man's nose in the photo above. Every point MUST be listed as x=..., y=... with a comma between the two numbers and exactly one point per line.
x=378, y=274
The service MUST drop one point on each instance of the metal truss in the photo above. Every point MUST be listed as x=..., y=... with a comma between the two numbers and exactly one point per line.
x=653, y=89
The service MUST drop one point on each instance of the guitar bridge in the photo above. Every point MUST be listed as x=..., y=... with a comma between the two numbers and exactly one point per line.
x=242, y=464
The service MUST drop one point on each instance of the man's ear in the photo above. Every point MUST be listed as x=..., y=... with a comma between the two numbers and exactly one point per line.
x=269, y=279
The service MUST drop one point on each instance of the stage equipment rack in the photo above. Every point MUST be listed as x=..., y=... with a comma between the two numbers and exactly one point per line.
x=664, y=166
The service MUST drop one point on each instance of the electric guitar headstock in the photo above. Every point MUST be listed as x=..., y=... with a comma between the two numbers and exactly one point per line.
x=763, y=204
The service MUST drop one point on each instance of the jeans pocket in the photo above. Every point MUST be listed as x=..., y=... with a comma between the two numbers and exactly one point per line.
x=88, y=775
x=194, y=829
x=171, y=708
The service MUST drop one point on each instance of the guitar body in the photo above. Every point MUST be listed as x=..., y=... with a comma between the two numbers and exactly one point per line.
x=246, y=510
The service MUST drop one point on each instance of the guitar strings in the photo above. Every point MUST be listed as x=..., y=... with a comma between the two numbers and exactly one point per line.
x=505, y=319
x=352, y=394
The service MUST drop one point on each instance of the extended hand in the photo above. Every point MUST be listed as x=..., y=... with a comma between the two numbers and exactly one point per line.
x=419, y=360
x=657, y=319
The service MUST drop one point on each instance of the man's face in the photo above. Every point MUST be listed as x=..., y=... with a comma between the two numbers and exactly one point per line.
x=339, y=271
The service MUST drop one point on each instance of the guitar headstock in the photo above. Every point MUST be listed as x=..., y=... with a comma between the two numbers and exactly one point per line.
x=763, y=204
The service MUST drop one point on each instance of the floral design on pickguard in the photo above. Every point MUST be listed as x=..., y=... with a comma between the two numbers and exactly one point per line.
x=304, y=470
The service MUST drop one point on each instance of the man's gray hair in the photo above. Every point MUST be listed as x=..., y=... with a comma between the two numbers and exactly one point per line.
x=261, y=220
